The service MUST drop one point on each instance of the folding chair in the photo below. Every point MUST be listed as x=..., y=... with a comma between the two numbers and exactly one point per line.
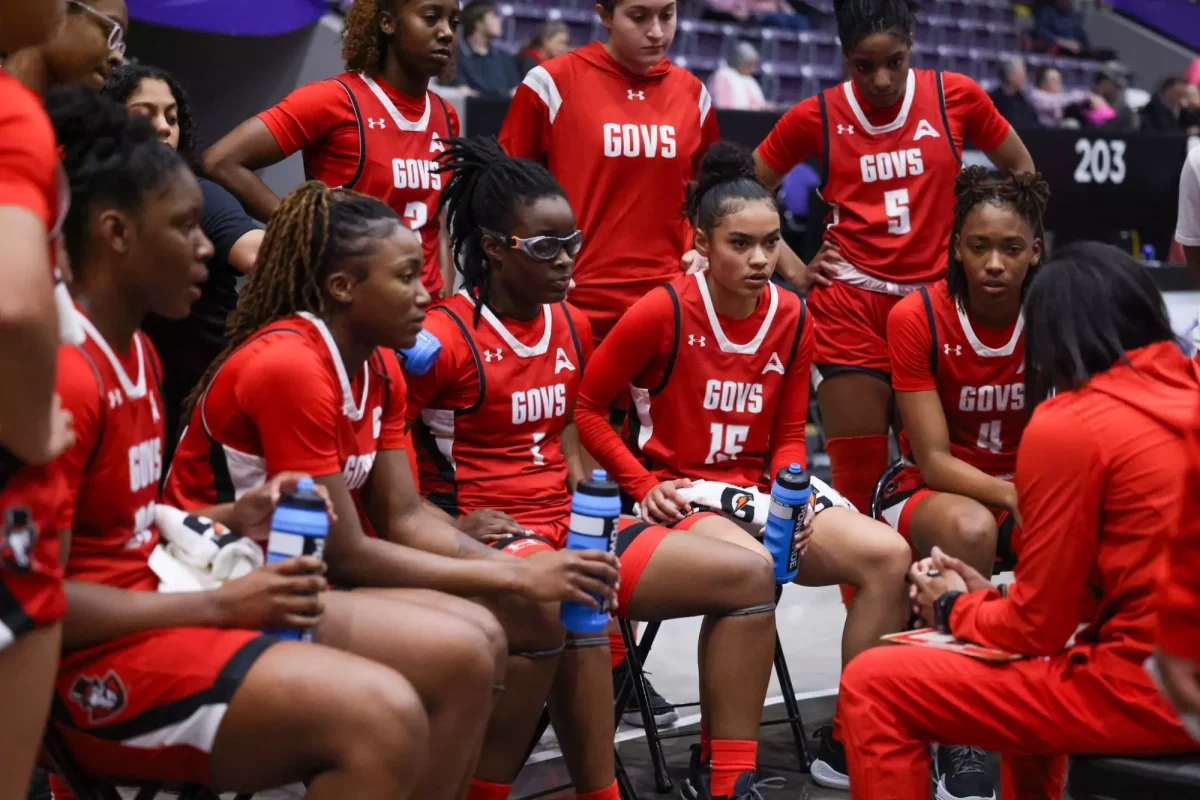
x=1125, y=778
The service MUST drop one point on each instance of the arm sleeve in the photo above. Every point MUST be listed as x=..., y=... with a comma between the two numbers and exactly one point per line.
x=982, y=125
x=393, y=428
x=28, y=159
x=1187, y=224
x=788, y=433
x=446, y=374
x=224, y=221
x=1060, y=476
x=909, y=341
x=526, y=129
x=795, y=138
x=299, y=434
x=80, y=393
x=304, y=116
x=1179, y=597
x=625, y=352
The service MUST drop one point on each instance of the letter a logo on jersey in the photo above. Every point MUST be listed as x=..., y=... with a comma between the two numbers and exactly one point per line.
x=435, y=144
x=925, y=129
x=561, y=362
x=773, y=365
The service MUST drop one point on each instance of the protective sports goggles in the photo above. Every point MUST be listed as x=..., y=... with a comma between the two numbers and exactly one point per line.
x=542, y=248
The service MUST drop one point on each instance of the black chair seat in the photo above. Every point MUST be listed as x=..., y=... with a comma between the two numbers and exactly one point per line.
x=1122, y=777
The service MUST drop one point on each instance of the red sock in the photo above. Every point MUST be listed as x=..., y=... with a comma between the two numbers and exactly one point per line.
x=483, y=790
x=609, y=793
x=857, y=462
x=616, y=648
x=729, y=760
x=705, y=741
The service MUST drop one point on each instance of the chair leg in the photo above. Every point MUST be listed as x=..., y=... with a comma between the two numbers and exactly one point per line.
x=624, y=785
x=81, y=786
x=792, y=706
x=634, y=656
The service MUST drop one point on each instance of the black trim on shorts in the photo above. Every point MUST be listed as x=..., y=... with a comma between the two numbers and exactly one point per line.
x=10, y=466
x=799, y=333
x=12, y=614
x=933, y=337
x=500, y=544
x=224, y=686
x=626, y=536
x=824, y=175
x=945, y=117
x=362, y=136
x=828, y=371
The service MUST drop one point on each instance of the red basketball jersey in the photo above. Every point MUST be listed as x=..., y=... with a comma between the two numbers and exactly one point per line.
x=31, y=576
x=283, y=401
x=488, y=419
x=711, y=415
x=114, y=468
x=982, y=387
x=891, y=186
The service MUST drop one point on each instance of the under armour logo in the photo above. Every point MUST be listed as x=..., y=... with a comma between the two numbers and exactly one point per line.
x=114, y=398
x=497, y=354
x=846, y=129
x=375, y=123
x=957, y=349
x=694, y=340
x=636, y=95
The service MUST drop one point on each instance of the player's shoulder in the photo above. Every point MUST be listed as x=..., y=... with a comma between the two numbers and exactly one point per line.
x=556, y=77
x=450, y=111
x=387, y=363
x=957, y=86
x=19, y=105
x=915, y=307
x=79, y=381
x=579, y=321
x=281, y=350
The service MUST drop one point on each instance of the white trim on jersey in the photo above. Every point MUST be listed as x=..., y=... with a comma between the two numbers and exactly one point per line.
x=705, y=104
x=910, y=92
x=522, y=351
x=349, y=407
x=6, y=636
x=979, y=347
x=132, y=391
x=246, y=470
x=751, y=347
x=401, y=123
x=542, y=84
x=641, y=404
x=199, y=731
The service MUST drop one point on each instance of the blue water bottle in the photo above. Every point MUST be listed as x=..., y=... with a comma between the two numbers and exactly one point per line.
x=788, y=514
x=298, y=528
x=595, y=509
x=419, y=358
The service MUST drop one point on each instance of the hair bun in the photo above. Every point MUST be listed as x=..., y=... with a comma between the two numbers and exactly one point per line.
x=90, y=127
x=725, y=161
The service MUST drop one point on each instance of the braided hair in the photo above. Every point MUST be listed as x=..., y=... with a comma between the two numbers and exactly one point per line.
x=126, y=79
x=314, y=230
x=110, y=158
x=487, y=190
x=1024, y=193
x=858, y=19
x=725, y=182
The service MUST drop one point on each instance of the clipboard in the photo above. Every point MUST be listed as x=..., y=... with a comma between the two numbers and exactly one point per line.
x=931, y=637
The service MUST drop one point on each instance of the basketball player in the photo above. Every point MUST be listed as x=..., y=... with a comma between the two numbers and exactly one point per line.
x=1101, y=474
x=494, y=430
x=717, y=364
x=891, y=139
x=376, y=128
x=183, y=686
x=310, y=382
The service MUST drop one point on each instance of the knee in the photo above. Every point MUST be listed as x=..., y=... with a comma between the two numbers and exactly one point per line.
x=533, y=627
x=386, y=723
x=972, y=529
x=492, y=630
x=470, y=660
x=886, y=559
x=754, y=578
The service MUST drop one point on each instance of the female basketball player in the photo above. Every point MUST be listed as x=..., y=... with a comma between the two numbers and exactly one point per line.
x=891, y=139
x=184, y=686
x=493, y=418
x=718, y=367
x=85, y=48
x=310, y=382
x=1101, y=475
x=376, y=128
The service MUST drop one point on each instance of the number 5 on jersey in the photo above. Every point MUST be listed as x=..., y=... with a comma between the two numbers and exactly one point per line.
x=895, y=203
x=725, y=442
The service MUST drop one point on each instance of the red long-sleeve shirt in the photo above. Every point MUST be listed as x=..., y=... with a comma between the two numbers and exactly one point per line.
x=1179, y=598
x=1101, y=477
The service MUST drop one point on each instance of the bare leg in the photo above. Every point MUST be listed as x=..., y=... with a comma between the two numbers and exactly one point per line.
x=27, y=671
x=962, y=527
x=581, y=707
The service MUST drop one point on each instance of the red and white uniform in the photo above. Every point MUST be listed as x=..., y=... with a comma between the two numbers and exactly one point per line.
x=147, y=705
x=284, y=402
x=30, y=496
x=715, y=398
x=623, y=147
x=1179, y=593
x=358, y=132
x=488, y=418
x=889, y=175
x=979, y=376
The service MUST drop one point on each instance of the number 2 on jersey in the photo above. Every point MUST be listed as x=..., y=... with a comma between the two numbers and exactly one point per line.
x=989, y=436
x=895, y=203
x=725, y=442
x=416, y=215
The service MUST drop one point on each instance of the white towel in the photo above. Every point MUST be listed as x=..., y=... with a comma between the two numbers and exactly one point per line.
x=750, y=506
x=197, y=553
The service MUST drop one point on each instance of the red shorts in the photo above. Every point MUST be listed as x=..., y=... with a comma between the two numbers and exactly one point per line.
x=149, y=706
x=31, y=577
x=850, y=326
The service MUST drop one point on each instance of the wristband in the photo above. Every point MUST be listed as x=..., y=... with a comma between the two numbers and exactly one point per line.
x=942, y=608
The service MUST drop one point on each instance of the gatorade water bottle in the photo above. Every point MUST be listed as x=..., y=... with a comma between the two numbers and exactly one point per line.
x=420, y=357
x=594, y=512
x=298, y=528
x=789, y=513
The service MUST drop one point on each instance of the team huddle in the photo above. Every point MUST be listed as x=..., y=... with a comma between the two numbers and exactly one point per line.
x=600, y=282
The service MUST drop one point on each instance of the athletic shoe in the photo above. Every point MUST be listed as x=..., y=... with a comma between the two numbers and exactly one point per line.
x=829, y=767
x=664, y=712
x=962, y=774
x=747, y=787
x=697, y=777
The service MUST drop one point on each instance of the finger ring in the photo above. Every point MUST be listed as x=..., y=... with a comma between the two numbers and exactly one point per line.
x=933, y=573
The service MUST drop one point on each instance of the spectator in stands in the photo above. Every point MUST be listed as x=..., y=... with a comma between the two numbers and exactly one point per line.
x=1189, y=111
x=733, y=85
x=551, y=40
x=189, y=345
x=1164, y=111
x=767, y=13
x=1011, y=97
x=1051, y=101
x=484, y=69
x=1111, y=83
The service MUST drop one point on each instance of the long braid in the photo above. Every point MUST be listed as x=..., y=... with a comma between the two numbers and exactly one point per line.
x=1027, y=194
x=486, y=190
